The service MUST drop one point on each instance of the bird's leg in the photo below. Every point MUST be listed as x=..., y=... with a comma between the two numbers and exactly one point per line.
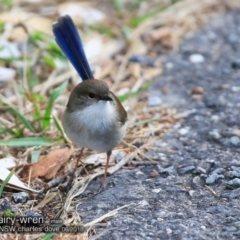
x=106, y=168
x=74, y=170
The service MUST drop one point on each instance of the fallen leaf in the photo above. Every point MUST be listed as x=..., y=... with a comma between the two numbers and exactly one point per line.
x=14, y=182
x=47, y=166
x=8, y=162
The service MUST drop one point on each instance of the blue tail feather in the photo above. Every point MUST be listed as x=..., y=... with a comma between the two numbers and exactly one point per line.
x=68, y=39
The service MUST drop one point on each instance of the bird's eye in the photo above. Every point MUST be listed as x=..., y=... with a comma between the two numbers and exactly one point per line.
x=91, y=95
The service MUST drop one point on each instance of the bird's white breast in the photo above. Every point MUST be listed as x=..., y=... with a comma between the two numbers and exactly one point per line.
x=95, y=127
x=98, y=116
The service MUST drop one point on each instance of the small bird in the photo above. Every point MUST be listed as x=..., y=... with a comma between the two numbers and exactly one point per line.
x=94, y=118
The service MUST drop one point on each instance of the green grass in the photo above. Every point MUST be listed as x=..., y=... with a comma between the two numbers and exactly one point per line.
x=135, y=22
x=27, y=142
x=5, y=182
x=125, y=97
x=39, y=120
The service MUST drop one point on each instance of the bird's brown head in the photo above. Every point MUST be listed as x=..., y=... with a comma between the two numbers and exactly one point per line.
x=87, y=93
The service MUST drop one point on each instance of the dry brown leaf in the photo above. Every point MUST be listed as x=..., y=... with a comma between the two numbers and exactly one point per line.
x=48, y=165
x=14, y=182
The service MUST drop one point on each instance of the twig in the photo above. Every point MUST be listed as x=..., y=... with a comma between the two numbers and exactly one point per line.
x=109, y=214
x=56, y=181
x=212, y=191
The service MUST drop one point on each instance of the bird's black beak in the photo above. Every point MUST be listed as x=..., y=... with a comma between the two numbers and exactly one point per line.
x=106, y=98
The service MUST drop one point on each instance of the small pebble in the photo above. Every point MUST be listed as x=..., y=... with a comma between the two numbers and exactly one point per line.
x=21, y=197
x=235, y=193
x=235, y=65
x=191, y=193
x=139, y=173
x=196, y=181
x=164, y=90
x=218, y=170
x=203, y=167
x=233, y=38
x=212, y=102
x=169, y=170
x=235, y=162
x=4, y=205
x=157, y=190
x=235, y=173
x=235, y=140
x=154, y=173
x=183, y=131
x=234, y=168
x=235, y=183
x=215, y=118
x=154, y=101
x=143, y=203
x=197, y=97
x=29, y=213
x=213, y=178
x=214, y=134
x=203, y=227
x=197, y=90
x=185, y=170
x=196, y=58
x=169, y=65
x=227, y=132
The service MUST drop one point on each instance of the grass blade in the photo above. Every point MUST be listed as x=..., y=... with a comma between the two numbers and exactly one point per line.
x=24, y=121
x=118, y=6
x=5, y=182
x=26, y=142
x=54, y=95
x=124, y=97
x=59, y=128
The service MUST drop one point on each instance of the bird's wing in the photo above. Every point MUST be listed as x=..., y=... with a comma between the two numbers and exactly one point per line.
x=122, y=116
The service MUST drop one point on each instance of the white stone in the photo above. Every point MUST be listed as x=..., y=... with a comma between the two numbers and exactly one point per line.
x=196, y=58
x=154, y=101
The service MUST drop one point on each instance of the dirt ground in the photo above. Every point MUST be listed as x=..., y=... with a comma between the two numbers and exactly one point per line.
x=196, y=191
